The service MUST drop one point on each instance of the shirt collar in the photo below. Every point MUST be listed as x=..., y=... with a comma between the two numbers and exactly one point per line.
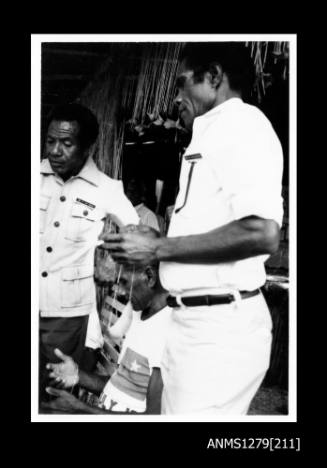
x=45, y=167
x=89, y=171
x=235, y=101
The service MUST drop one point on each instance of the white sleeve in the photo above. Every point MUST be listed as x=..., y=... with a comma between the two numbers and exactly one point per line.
x=151, y=220
x=94, y=338
x=251, y=174
x=119, y=207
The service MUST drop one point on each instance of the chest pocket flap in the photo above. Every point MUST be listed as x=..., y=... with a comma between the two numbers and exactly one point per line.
x=80, y=211
x=77, y=272
x=44, y=202
x=81, y=223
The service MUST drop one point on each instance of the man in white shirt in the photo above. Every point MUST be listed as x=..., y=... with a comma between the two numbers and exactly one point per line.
x=75, y=200
x=226, y=223
x=135, y=191
x=136, y=385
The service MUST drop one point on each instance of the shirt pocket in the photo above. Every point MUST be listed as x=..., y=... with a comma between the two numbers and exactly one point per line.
x=80, y=223
x=77, y=286
x=44, y=205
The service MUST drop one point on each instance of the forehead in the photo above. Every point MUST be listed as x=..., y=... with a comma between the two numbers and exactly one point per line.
x=184, y=70
x=129, y=274
x=184, y=75
x=64, y=128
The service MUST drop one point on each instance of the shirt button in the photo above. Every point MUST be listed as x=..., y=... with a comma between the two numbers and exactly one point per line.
x=56, y=224
x=62, y=198
x=44, y=274
x=85, y=213
x=49, y=249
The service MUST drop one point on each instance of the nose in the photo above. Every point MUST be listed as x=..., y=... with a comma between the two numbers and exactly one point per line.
x=56, y=149
x=178, y=98
x=119, y=290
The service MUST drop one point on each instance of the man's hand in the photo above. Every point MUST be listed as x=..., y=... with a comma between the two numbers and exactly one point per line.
x=65, y=373
x=133, y=245
x=65, y=402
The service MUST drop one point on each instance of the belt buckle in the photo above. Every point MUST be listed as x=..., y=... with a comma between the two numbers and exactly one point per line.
x=237, y=297
x=179, y=301
x=175, y=301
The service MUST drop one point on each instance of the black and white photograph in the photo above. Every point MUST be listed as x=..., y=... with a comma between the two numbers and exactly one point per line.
x=163, y=228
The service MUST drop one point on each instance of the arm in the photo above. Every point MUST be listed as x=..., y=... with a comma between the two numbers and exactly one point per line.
x=92, y=382
x=65, y=402
x=118, y=206
x=153, y=399
x=243, y=238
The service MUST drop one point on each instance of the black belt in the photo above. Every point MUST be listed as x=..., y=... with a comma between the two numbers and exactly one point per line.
x=208, y=300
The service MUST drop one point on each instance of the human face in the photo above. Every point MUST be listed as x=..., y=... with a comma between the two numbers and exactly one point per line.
x=135, y=284
x=193, y=99
x=63, y=148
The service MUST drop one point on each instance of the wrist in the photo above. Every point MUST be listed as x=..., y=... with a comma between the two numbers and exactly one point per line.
x=75, y=378
x=163, y=248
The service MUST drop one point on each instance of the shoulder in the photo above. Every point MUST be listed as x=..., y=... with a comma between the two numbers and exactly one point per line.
x=163, y=317
x=108, y=183
x=252, y=118
x=252, y=127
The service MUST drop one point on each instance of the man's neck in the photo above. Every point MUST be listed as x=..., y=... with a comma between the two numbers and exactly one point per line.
x=158, y=303
x=75, y=172
x=225, y=93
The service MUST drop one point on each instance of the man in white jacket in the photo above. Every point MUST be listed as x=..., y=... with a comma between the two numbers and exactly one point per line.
x=76, y=197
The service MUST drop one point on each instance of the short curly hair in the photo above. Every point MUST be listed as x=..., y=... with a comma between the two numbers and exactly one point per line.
x=88, y=124
x=233, y=57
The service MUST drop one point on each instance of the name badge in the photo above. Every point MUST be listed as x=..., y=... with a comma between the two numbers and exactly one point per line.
x=79, y=200
x=192, y=157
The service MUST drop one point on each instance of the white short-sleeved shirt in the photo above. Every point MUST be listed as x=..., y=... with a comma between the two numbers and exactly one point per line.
x=238, y=174
x=147, y=216
x=71, y=218
x=141, y=352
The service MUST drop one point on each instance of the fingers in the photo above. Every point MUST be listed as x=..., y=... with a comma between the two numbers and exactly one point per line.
x=55, y=391
x=57, y=383
x=61, y=355
x=56, y=377
x=113, y=247
x=51, y=366
x=106, y=237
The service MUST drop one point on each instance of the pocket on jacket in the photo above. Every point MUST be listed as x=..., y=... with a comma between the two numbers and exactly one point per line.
x=77, y=286
x=44, y=205
x=81, y=222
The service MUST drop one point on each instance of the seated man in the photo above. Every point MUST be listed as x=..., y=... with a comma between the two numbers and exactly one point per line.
x=136, y=385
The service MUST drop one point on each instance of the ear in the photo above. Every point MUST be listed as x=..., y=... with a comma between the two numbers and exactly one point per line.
x=215, y=75
x=151, y=275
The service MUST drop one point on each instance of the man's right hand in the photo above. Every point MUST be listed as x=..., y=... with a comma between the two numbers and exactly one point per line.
x=134, y=244
x=65, y=373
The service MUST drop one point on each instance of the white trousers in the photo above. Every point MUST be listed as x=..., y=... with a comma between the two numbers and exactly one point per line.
x=216, y=357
